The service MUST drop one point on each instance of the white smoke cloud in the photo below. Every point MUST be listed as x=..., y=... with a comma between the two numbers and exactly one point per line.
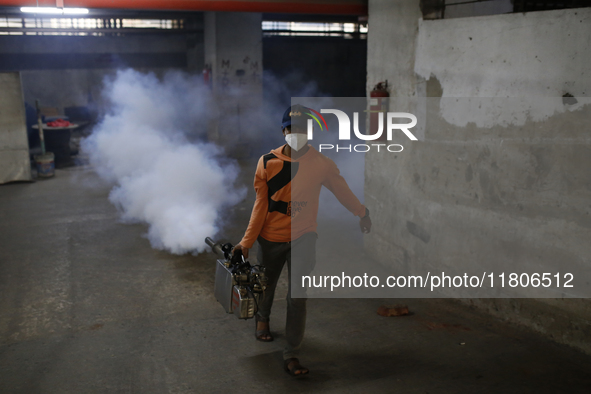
x=151, y=144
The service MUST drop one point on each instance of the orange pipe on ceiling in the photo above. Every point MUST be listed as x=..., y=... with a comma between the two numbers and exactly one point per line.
x=293, y=7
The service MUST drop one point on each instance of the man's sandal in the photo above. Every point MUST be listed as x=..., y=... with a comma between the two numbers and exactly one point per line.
x=293, y=367
x=262, y=335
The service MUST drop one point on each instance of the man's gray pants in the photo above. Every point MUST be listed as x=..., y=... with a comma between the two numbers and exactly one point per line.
x=273, y=255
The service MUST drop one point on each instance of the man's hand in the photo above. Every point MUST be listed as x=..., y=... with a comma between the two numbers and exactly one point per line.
x=244, y=250
x=365, y=224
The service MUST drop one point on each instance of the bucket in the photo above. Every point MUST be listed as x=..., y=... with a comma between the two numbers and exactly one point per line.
x=45, y=165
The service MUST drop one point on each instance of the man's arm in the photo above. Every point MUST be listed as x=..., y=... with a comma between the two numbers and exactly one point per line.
x=335, y=182
x=259, y=211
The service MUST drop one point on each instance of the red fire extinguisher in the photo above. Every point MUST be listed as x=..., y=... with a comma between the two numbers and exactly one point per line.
x=378, y=106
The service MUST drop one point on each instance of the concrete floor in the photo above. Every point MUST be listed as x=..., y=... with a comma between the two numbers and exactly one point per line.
x=87, y=306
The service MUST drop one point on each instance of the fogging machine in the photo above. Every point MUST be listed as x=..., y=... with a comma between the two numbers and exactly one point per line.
x=239, y=286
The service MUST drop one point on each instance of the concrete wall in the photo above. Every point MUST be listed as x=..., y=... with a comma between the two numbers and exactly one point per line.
x=507, y=192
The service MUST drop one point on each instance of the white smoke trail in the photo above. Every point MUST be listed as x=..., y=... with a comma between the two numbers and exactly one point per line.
x=163, y=178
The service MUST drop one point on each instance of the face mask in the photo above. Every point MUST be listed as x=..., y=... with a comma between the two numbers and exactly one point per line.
x=296, y=141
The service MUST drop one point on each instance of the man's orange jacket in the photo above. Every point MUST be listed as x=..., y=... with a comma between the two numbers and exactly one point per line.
x=287, y=194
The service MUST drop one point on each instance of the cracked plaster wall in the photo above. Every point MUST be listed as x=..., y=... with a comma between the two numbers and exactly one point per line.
x=509, y=186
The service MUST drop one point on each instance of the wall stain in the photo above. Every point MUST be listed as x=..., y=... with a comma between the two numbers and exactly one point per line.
x=487, y=186
x=483, y=154
x=543, y=163
x=435, y=172
x=469, y=174
x=418, y=231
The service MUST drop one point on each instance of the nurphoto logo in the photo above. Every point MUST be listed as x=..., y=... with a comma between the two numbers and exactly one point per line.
x=392, y=119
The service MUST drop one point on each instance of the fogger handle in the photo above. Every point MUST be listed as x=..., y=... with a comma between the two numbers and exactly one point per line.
x=216, y=247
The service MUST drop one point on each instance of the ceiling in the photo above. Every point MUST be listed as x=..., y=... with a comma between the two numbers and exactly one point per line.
x=334, y=7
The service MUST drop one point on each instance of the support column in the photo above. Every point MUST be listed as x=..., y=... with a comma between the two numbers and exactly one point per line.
x=234, y=52
x=393, y=30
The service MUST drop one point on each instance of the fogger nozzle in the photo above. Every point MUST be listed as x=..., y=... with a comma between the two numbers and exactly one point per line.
x=216, y=247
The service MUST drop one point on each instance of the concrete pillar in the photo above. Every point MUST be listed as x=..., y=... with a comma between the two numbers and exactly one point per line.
x=233, y=51
x=391, y=46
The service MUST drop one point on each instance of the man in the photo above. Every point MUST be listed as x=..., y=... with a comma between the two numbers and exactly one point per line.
x=283, y=220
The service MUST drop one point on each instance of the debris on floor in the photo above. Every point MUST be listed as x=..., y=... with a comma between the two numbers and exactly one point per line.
x=393, y=310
